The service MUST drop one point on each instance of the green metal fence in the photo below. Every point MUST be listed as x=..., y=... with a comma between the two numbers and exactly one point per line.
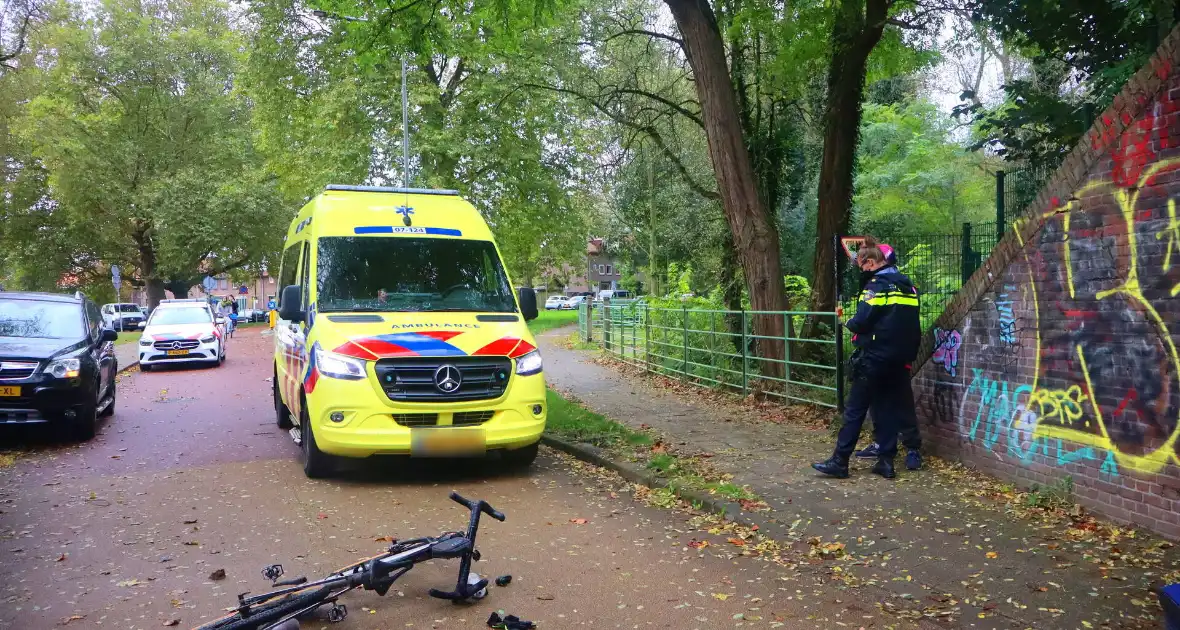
x=720, y=348
x=938, y=264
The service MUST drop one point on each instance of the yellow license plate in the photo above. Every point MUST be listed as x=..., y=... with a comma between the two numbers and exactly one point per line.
x=448, y=442
x=177, y=353
x=9, y=390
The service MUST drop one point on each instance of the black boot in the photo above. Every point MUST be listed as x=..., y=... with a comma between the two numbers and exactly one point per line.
x=833, y=467
x=884, y=467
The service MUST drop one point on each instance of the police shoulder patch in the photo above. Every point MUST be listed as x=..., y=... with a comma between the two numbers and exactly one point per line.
x=868, y=295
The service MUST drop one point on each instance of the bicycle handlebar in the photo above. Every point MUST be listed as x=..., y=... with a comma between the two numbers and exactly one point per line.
x=481, y=505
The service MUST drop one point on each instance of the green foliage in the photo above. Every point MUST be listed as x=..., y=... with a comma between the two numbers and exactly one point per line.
x=567, y=419
x=329, y=110
x=1081, y=52
x=912, y=178
x=548, y=320
x=142, y=142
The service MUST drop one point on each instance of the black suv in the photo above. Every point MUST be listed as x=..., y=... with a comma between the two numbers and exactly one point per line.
x=57, y=362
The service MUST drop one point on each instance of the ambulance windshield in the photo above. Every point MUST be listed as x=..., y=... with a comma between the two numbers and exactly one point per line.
x=395, y=273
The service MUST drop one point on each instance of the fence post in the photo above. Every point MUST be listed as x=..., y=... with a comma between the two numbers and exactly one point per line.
x=1001, y=216
x=787, y=353
x=745, y=357
x=634, y=333
x=839, y=364
x=684, y=320
x=589, y=321
x=646, y=338
x=966, y=256
x=606, y=315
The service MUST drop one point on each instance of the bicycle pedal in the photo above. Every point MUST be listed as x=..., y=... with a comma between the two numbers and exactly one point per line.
x=475, y=555
x=337, y=613
x=273, y=572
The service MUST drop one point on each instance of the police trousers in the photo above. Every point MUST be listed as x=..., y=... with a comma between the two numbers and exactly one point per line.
x=886, y=390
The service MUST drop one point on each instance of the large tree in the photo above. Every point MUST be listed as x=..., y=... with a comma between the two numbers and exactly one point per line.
x=1081, y=53
x=145, y=141
x=328, y=84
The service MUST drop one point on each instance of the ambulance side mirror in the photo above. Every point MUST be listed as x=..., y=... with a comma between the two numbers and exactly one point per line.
x=528, y=303
x=289, y=303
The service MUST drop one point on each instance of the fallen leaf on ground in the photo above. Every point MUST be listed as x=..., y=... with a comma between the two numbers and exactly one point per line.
x=992, y=554
x=388, y=539
x=129, y=583
x=545, y=598
x=721, y=596
x=321, y=515
x=61, y=557
x=173, y=622
x=217, y=575
x=737, y=541
x=579, y=521
x=72, y=618
x=190, y=522
x=698, y=544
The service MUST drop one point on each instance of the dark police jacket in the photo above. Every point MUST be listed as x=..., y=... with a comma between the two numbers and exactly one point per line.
x=886, y=328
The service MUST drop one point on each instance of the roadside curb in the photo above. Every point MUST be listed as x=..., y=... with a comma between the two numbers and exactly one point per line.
x=704, y=501
x=127, y=367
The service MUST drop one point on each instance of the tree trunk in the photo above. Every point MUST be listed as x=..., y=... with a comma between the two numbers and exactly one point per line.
x=179, y=287
x=147, y=266
x=754, y=232
x=731, y=291
x=855, y=32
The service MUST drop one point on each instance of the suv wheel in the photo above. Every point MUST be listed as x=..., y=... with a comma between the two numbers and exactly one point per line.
x=83, y=426
x=316, y=463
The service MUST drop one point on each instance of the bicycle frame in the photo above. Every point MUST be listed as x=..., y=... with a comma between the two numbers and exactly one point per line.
x=379, y=572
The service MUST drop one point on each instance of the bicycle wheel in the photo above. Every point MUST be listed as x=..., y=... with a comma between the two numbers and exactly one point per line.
x=268, y=612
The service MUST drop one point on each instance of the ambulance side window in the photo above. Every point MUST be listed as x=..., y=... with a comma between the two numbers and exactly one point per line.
x=290, y=266
x=303, y=272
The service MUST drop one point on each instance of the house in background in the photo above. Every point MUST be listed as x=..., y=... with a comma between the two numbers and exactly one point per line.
x=255, y=293
x=599, y=271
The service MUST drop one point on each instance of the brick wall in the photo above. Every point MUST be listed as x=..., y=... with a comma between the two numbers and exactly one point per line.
x=1061, y=356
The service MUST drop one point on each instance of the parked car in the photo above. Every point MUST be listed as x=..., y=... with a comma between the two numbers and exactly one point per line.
x=555, y=302
x=613, y=294
x=123, y=316
x=574, y=302
x=181, y=331
x=247, y=315
x=57, y=365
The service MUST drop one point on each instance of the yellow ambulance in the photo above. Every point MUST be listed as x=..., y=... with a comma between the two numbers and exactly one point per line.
x=398, y=333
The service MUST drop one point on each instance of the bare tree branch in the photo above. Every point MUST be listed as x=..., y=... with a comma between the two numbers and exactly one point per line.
x=639, y=31
x=647, y=129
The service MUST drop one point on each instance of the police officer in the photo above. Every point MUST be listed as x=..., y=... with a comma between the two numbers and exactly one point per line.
x=910, y=437
x=886, y=332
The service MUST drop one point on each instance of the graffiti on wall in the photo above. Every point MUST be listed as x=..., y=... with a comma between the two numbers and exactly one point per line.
x=1093, y=373
x=1007, y=317
x=946, y=349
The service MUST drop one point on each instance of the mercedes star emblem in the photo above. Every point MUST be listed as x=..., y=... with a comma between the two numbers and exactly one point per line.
x=176, y=345
x=447, y=378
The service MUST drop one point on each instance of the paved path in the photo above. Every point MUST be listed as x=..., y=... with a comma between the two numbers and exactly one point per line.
x=923, y=535
x=191, y=476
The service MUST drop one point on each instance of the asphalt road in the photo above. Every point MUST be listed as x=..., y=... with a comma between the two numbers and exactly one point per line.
x=191, y=476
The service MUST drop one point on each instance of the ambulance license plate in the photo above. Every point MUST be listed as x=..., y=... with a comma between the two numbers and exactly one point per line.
x=447, y=442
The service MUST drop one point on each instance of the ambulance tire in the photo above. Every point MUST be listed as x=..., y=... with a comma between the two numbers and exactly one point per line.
x=282, y=413
x=521, y=457
x=316, y=463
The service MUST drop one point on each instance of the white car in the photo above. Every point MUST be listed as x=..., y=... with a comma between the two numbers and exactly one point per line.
x=180, y=332
x=555, y=302
x=122, y=316
x=574, y=303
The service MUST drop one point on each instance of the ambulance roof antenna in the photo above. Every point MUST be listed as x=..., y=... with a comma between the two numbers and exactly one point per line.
x=405, y=143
